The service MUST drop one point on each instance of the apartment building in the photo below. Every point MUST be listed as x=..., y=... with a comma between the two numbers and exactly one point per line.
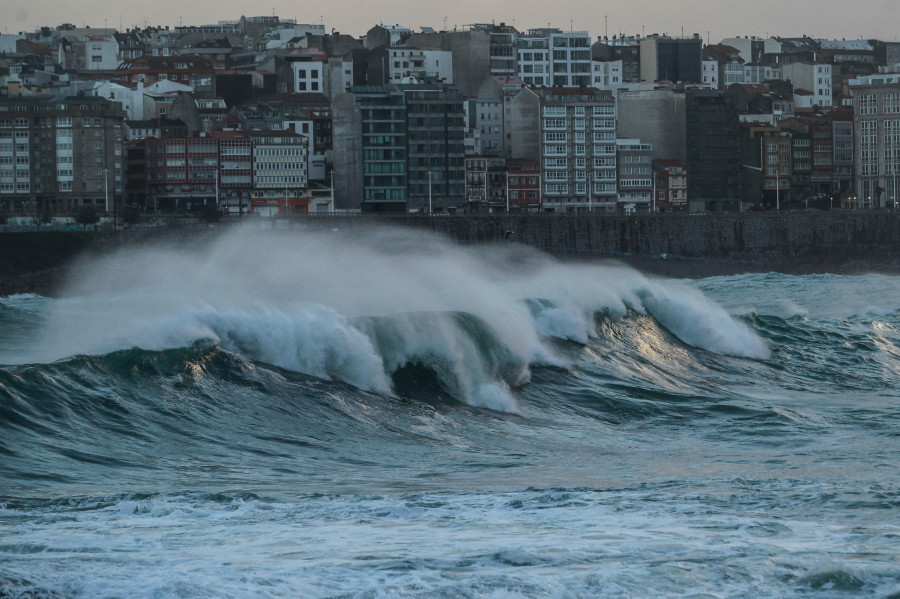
x=485, y=184
x=813, y=77
x=551, y=57
x=606, y=74
x=59, y=154
x=485, y=117
x=713, y=150
x=843, y=160
x=435, y=132
x=635, y=175
x=412, y=65
x=370, y=154
x=523, y=185
x=279, y=169
x=671, y=59
x=578, y=149
x=670, y=186
x=876, y=125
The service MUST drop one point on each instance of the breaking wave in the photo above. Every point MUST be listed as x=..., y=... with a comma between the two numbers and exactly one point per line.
x=359, y=309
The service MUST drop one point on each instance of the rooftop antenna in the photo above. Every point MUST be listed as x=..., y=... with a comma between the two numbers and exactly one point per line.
x=445, y=23
x=606, y=26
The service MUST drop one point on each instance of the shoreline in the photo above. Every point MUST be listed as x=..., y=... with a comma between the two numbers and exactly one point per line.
x=677, y=247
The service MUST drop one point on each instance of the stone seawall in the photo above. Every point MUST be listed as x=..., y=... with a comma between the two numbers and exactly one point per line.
x=672, y=245
x=789, y=241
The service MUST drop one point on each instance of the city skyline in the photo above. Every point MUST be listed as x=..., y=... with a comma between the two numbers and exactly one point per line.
x=713, y=20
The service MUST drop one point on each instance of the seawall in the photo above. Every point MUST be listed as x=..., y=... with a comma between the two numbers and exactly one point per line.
x=671, y=245
x=686, y=245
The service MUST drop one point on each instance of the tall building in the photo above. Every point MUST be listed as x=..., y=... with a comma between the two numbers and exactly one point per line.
x=842, y=163
x=279, y=165
x=370, y=149
x=876, y=125
x=485, y=117
x=551, y=57
x=57, y=155
x=670, y=59
x=624, y=49
x=578, y=149
x=502, y=48
x=635, y=175
x=400, y=148
x=435, y=132
x=713, y=151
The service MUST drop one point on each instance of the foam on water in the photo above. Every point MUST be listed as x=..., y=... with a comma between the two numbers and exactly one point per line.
x=662, y=542
x=305, y=302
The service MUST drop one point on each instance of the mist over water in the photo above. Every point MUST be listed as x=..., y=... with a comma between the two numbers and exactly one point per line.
x=357, y=308
x=385, y=413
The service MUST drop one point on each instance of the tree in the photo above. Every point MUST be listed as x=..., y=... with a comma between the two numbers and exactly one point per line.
x=87, y=215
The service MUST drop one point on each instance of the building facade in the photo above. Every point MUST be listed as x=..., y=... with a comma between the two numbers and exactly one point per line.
x=713, y=151
x=635, y=176
x=876, y=124
x=279, y=165
x=578, y=149
x=57, y=155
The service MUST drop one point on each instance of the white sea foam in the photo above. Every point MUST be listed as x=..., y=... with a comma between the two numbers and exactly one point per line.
x=357, y=308
x=557, y=543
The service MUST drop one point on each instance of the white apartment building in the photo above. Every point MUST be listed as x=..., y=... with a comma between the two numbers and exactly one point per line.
x=635, y=182
x=279, y=164
x=606, y=74
x=551, y=57
x=709, y=71
x=758, y=73
x=876, y=128
x=578, y=150
x=405, y=64
x=534, y=60
x=315, y=162
x=814, y=77
x=101, y=53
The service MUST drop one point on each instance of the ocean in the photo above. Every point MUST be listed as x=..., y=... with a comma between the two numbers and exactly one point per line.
x=388, y=414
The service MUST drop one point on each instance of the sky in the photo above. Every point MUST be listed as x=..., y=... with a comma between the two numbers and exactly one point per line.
x=712, y=19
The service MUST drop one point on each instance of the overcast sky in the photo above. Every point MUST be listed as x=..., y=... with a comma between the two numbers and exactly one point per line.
x=716, y=18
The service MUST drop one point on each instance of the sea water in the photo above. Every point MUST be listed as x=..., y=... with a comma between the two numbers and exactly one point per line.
x=387, y=414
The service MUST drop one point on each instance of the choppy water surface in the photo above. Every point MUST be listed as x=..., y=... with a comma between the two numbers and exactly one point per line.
x=390, y=415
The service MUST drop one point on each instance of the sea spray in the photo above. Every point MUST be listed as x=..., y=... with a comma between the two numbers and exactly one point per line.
x=359, y=308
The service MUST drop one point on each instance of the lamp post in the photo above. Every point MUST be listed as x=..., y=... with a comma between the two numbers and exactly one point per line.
x=590, y=185
x=778, y=185
x=507, y=192
x=429, y=193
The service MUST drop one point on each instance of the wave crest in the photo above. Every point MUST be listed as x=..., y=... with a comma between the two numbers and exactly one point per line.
x=360, y=309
